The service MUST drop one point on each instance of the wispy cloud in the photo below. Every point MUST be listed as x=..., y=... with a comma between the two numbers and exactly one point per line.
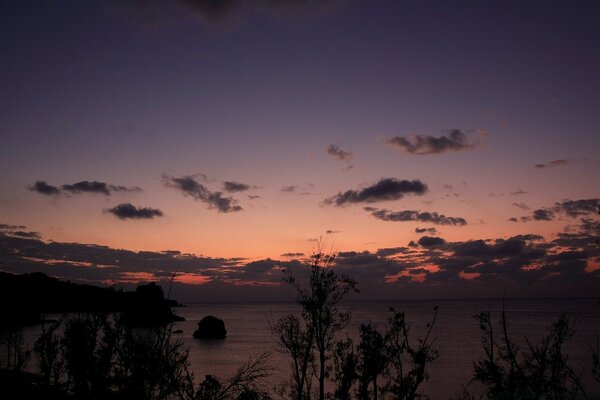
x=129, y=211
x=232, y=187
x=98, y=187
x=412, y=215
x=453, y=141
x=189, y=186
x=339, y=154
x=385, y=190
x=554, y=163
x=569, y=208
x=44, y=188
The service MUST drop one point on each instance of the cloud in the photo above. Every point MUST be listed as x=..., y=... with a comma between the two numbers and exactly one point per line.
x=543, y=215
x=522, y=206
x=81, y=187
x=385, y=190
x=189, y=186
x=570, y=208
x=391, y=251
x=526, y=262
x=339, y=154
x=42, y=187
x=428, y=230
x=87, y=187
x=431, y=241
x=412, y=215
x=455, y=140
x=232, y=187
x=291, y=255
x=517, y=192
x=223, y=10
x=554, y=163
x=513, y=219
x=289, y=189
x=129, y=211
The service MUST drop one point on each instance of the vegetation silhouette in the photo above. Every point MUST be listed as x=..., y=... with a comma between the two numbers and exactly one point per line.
x=102, y=355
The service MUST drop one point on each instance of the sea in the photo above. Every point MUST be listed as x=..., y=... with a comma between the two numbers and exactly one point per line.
x=456, y=332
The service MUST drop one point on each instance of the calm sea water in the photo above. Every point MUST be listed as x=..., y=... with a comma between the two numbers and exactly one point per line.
x=458, y=338
x=457, y=332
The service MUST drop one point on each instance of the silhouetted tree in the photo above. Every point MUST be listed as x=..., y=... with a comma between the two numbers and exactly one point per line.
x=319, y=301
x=536, y=372
x=296, y=340
x=372, y=361
x=407, y=362
x=345, y=363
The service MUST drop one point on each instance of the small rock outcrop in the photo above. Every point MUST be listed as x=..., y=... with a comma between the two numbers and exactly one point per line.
x=211, y=327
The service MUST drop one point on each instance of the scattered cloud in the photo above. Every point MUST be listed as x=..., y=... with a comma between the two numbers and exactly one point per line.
x=385, y=190
x=453, y=141
x=554, y=163
x=424, y=230
x=522, y=206
x=412, y=215
x=189, y=186
x=434, y=265
x=289, y=189
x=292, y=255
x=81, y=187
x=517, y=192
x=232, y=187
x=569, y=208
x=339, y=154
x=129, y=211
x=42, y=187
x=431, y=241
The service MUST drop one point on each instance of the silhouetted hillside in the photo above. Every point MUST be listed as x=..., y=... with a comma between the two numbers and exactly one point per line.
x=24, y=298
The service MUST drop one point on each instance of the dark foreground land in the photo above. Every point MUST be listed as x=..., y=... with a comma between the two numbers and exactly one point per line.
x=119, y=345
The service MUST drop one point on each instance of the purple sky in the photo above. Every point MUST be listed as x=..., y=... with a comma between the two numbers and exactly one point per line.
x=237, y=132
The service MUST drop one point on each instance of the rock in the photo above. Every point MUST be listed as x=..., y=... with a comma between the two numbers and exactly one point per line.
x=211, y=327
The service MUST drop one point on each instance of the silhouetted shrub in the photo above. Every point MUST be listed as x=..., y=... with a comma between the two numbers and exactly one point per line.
x=509, y=371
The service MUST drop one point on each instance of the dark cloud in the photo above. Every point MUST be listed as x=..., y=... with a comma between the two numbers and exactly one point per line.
x=289, y=189
x=290, y=255
x=6, y=227
x=517, y=192
x=522, y=206
x=513, y=219
x=525, y=261
x=543, y=215
x=390, y=251
x=223, y=10
x=339, y=154
x=232, y=187
x=570, y=208
x=428, y=230
x=87, y=187
x=454, y=140
x=384, y=190
x=81, y=187
x=577, y=208
x=42, y=187
x=431, y=241
x=331, y=232
x=411, y=215
x=555, y=163
x=129, y=211
x=189, y=186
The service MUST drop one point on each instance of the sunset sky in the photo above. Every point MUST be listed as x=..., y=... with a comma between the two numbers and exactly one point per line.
x=443, y=148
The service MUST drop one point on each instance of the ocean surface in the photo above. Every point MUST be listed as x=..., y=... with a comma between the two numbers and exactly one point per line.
x=458, y=338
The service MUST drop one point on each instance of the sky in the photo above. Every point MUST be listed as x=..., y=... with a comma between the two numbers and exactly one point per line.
x=441, y=149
